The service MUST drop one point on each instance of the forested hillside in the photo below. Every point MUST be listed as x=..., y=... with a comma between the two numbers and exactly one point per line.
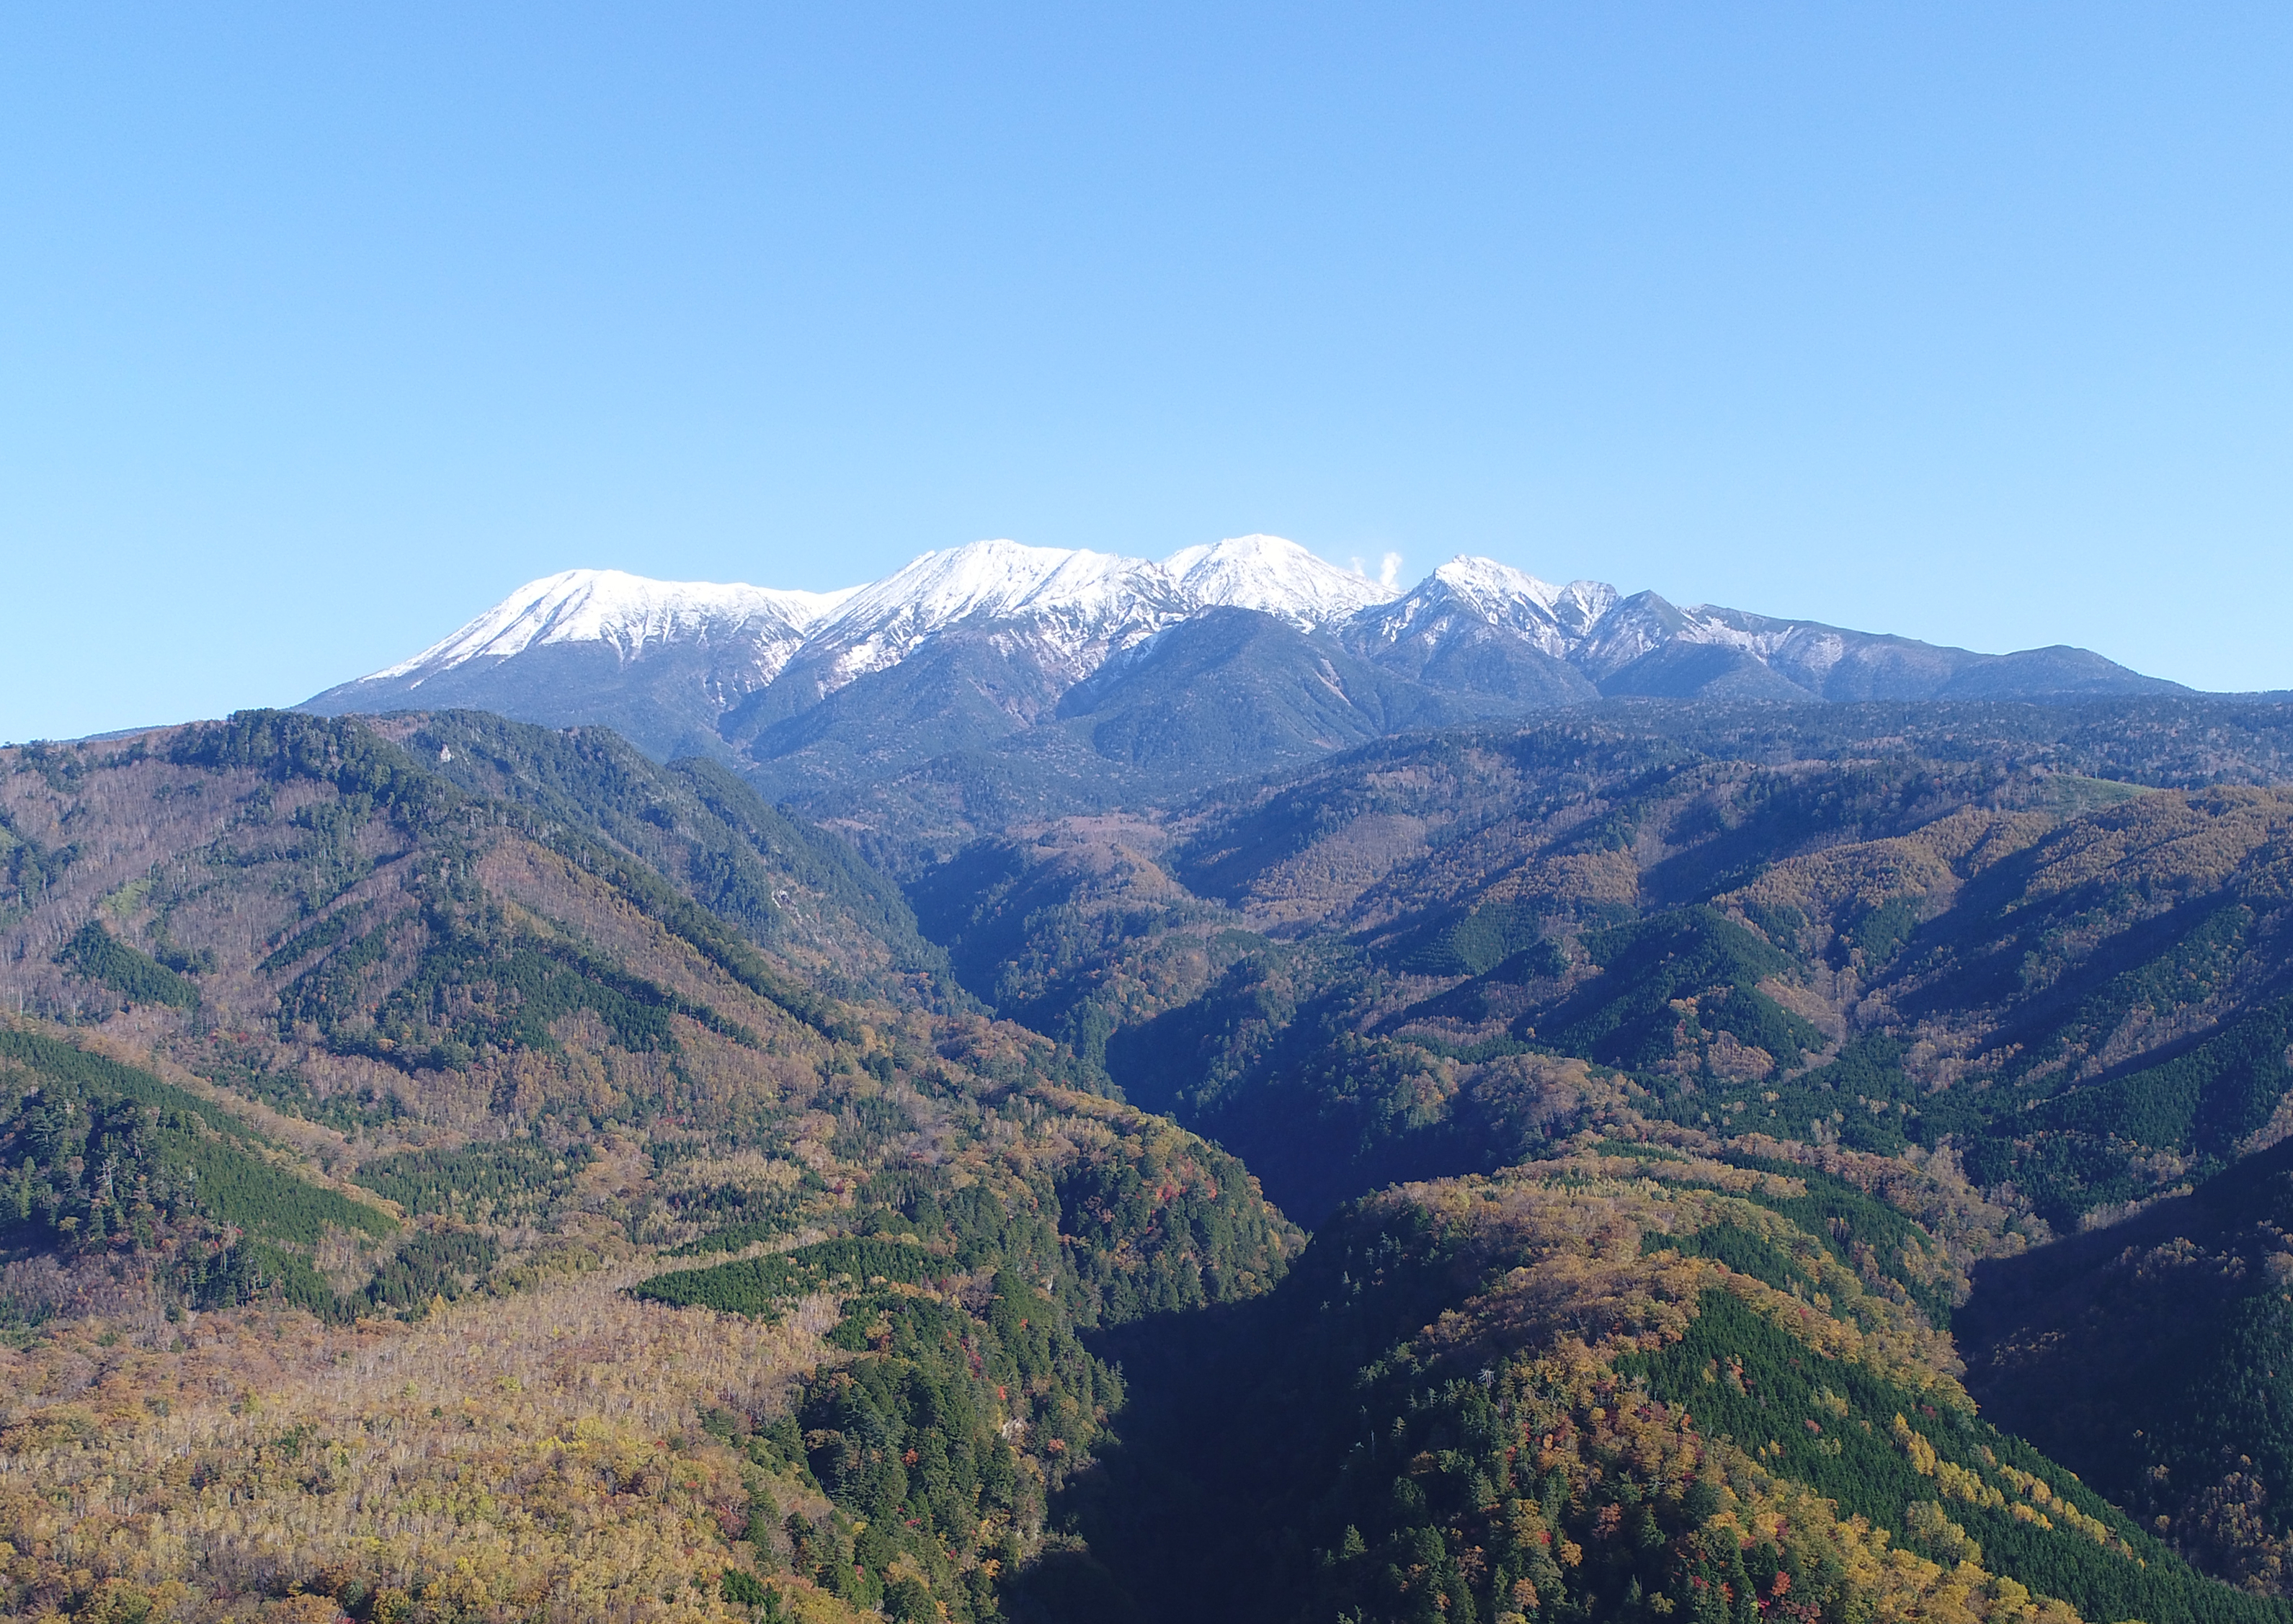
x=1635, y=1380
x=791, y=885
x=909, y=814
x=2055, y=957
x=2156, y=1353
x=1349, y=977
x=321, y=1053
x=459, y=1170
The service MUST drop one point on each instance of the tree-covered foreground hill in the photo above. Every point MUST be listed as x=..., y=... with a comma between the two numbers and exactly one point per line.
x=457, y=1170
x=1643, y=1380
x=350, y=1274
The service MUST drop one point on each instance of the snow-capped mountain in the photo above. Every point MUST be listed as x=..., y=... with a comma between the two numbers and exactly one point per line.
x=1077, y=606
x=969, y=646
x=1274, y=577
x=629, y=614
x=1080, y=606
x=1480, y=591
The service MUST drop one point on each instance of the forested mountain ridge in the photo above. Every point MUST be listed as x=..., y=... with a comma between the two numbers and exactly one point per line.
x=355, y=1050
x=791, y=885
x=910, y=809
x=1342, y=976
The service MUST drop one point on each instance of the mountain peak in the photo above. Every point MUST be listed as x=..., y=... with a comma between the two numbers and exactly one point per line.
x=624, y=611
x=1485, y=583
x=1078, y=602
x=991, y=577
x=1276, y=576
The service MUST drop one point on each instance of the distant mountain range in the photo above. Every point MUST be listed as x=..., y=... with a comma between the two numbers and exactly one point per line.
x=994, y=682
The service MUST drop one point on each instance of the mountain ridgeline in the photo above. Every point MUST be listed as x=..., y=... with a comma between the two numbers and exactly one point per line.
x=986, y=684
x=1087, y=1090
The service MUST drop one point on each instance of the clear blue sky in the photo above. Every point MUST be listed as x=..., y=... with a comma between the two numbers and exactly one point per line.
x=322, y=326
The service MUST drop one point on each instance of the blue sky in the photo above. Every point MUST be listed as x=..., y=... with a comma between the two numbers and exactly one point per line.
x=321, y=327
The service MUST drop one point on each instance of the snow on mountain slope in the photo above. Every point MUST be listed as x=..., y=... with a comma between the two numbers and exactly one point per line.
x=1467, y=595
x=1633, y=627
x=1075, y=607
x=1276, y=577
x=1581, y=604
x=1466, y=592
x=627, y=612
x=1496, y=589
